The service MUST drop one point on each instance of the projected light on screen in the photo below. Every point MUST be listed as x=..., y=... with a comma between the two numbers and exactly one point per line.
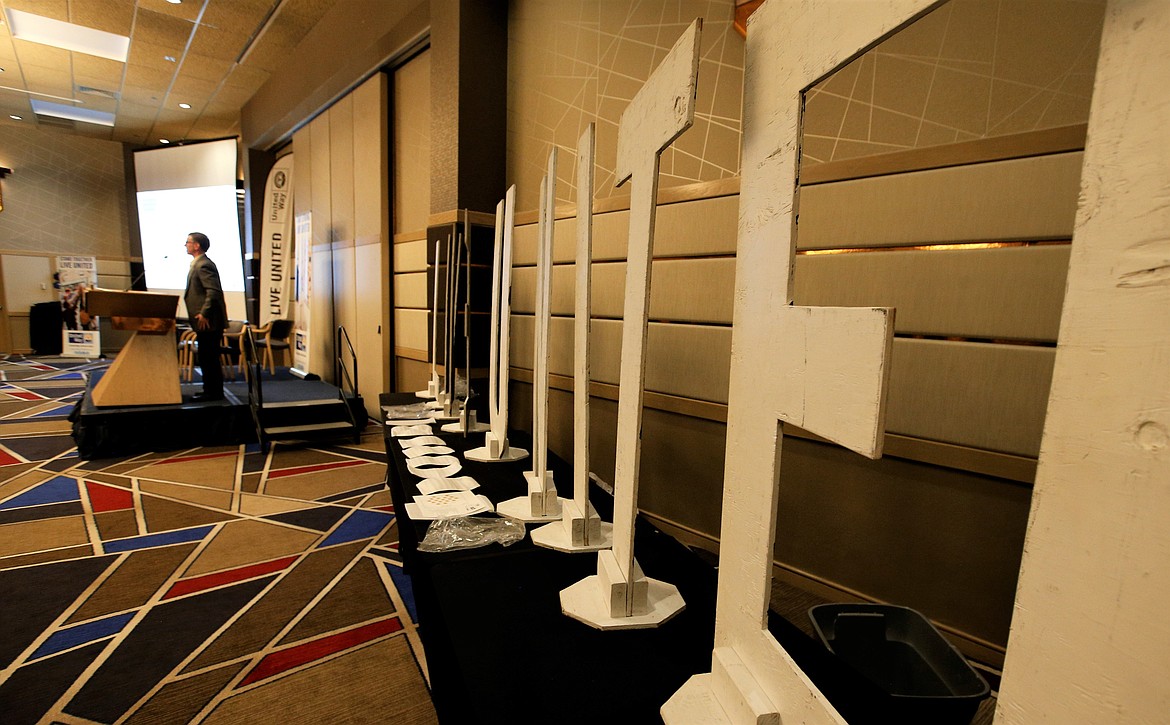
x=184, y=189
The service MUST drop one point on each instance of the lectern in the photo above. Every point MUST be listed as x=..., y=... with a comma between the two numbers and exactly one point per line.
x=146, y=371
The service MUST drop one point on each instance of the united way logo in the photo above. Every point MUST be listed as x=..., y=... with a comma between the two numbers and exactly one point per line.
x=280, y=179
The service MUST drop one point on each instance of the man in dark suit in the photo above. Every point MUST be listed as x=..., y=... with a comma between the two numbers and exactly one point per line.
x=208, y=314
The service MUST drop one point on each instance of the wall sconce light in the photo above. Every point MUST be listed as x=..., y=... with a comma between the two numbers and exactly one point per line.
x=4, y=171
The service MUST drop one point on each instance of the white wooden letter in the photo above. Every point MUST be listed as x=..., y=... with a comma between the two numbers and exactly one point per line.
x=580, y=528
x=541, y=503
x=495, y=447
x=662, y=110
x=823, y=369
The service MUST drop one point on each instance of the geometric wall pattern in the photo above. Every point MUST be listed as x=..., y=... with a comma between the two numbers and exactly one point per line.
x=970, y=69
x=216, y=585
x=570, y=63
x=67, y=194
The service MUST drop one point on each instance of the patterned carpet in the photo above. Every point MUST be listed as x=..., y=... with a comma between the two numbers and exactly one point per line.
x=208, y=585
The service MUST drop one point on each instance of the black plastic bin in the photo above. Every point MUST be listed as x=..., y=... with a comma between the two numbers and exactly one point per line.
x=924, y=677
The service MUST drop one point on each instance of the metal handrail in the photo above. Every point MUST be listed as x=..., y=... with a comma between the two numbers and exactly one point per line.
x=341, y=373
x=339, y=369
x=255, y=389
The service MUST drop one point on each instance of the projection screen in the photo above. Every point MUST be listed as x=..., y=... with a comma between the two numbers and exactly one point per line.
x=184, y=189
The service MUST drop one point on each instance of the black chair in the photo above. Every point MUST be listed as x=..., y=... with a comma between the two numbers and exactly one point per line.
x=274, y=337
x=230, y=353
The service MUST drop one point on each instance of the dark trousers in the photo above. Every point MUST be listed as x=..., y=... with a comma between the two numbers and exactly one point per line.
x=209, y=342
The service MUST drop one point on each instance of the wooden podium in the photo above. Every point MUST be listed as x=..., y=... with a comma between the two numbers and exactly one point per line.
x=146, y=371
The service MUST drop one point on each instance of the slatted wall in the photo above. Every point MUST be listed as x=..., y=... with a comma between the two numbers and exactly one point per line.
x=973, y=257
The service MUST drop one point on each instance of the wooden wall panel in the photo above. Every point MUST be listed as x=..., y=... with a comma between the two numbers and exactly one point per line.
x=689, y=361
x=345, y=293
x=410, y=290
x=370, y=162
x=367, y=333
x=320, y=326
x=682, y=290
x=411, y=374
x=1007, y=293
x=980, y=395
x=1031, y=198
x=944, y=542
x=410, y=256
x=412, y=144
x=688, y=229
x=412, y=331
x=342, y=182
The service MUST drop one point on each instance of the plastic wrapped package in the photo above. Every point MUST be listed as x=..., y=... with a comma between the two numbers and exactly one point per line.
x=466, y=532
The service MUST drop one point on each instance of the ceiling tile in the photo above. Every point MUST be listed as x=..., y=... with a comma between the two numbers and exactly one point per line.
x=222, y=43
x=144, y=53
x=187, y=11
x=49, y=80
x=245, y=15
x=164, y=30
x=188, y=89
x=12, y=77
x=205, y=68
x=245, y=76
x=157, y=77
x=112, y=16
x=55, y=9
x=145, y=95
x=100, y=71
x=42, y=55
x=96, y=103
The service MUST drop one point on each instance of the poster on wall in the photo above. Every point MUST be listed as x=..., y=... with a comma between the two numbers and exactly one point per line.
x=277, y=244
x=303, y=289
x=79, y=331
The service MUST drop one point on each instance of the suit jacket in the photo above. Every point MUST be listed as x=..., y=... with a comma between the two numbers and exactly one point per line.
x=204, y=294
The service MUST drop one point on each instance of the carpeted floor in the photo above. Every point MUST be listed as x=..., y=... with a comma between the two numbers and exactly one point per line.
x=209, y=585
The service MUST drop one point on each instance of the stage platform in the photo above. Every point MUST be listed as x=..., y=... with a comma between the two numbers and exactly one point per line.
x=110, y=432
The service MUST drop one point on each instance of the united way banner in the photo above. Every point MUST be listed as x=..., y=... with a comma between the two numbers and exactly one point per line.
x=79, y=331
x=276, y=251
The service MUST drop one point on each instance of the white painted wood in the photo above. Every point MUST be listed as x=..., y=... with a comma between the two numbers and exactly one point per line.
x=822, y=369
x=448, y=397
x=543, y=313
x=496, y=447
x=432, y=391
x=465, y=417
x=659, y=113
x=1090, y=640
x=580, y=528
x=541, y=503
x=599, y=600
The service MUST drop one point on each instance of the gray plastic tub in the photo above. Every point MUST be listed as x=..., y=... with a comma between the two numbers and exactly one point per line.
x=900, y=651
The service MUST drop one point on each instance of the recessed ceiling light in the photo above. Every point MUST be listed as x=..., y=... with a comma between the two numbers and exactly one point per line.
x=164, y=140
x=171, y=58
x=175, y=2
x=184, y=105
x=15, y=117
x=68, y=36
x=85, y=115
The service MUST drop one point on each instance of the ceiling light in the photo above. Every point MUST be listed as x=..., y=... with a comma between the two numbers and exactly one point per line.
x=171, y=58
x=15, y=117
x=85, y=115
x=184, y=105
x=175, y=2
x=164, y=140
x=46, y=31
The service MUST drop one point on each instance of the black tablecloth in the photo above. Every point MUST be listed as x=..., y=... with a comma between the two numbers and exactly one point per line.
x=498, y=647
